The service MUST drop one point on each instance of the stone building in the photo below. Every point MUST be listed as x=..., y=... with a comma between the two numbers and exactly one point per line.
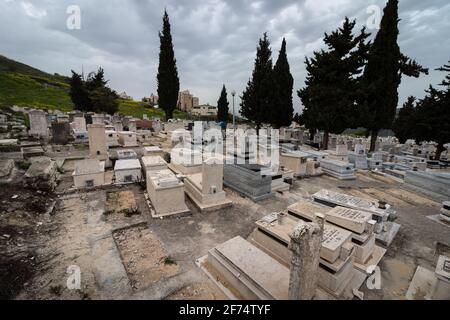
x=186, y=101
x=204, y=111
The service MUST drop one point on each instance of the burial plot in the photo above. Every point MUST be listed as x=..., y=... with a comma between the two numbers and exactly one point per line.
x=338, y=169
x=206, y=188
x=250, y=180
x=166, y=194
x=336, y=254
x=381, y=212
x=358, y=222
x=246, y=271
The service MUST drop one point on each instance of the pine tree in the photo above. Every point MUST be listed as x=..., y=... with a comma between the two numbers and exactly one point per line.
x=257, y=97
x=78, y=92
x=333, y=83
x=168, y=81
x=222, y=106
x=383, y=74
x=404, y=124
x=93, y=94
x=282, y=109
x=432, y=121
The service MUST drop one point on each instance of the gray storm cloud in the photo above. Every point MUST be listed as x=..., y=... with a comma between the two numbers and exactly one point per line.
x=215, y=41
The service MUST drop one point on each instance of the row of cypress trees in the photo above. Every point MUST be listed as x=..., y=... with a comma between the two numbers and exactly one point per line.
x=352, y=83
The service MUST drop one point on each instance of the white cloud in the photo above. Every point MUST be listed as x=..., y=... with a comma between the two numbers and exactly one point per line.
x=32, y=11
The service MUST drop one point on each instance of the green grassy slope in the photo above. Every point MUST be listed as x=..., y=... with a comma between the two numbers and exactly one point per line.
x=34, y=91
x=25, y=86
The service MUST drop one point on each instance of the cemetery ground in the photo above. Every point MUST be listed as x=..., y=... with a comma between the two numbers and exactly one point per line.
x=123, y=253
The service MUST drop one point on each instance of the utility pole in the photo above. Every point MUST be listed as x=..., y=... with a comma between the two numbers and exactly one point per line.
x=233, y=93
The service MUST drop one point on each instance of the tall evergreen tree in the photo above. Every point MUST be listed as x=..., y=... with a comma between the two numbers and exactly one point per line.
x=383, y=74
x=168, y=81
x=333, y=83
x=433, y=115
x=222, y=106
x=257, y=97
x=405, y=123
x=282, y=109
x=93, y=94
x=79, y=93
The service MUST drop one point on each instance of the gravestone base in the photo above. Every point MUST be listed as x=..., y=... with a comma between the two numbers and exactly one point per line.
x=205, y=202
x=388, y=233
x=248, y=272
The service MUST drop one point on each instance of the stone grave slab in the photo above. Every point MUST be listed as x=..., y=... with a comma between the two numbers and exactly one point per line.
x=250, y=271
x=353, y=220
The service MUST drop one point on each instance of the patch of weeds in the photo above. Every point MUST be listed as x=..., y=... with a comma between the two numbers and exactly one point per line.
x=23, y=165
x=131, y=212
x=56, y=290
x=108, y=212
x=168, y=261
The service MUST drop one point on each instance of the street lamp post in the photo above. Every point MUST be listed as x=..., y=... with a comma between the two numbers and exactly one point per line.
x=233, y=93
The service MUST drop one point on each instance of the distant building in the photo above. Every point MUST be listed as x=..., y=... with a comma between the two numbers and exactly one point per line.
x=125, y=96
x=186, y=101
x=195, y=102
x=205, y=110
x=152, y=99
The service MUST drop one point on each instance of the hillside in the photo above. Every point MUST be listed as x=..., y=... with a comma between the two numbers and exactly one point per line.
x=26, y=86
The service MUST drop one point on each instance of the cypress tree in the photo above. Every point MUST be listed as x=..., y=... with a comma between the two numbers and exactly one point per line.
x=257, y=98
x=383, y=74
x=168, y=81
x=282, y=109
x=333, y=82
x=222, y=106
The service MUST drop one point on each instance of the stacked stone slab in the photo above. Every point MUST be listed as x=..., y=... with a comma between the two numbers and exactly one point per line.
x=359, y=223
x=112, y=138
x=435, y=183
x=127, y=171
x=250, y=180
x=153, y=163
x=247, y=272
x=359, y=157
x=336, y=254
x=89, y=173
x=205, y=189
x=340, y=153
x=166, y=193
x=186, y=161
x=295, y=161
x=42, y=175
x=338, y=169
x=127, y=139
x=385, y=230
x=445, y=212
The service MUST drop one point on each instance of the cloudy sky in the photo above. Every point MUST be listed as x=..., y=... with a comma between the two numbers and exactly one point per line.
x=215, y=40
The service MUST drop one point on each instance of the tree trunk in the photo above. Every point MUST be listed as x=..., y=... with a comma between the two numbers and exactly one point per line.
x=169, y=115
x=326, y=136
x=373, y=140
x=311, y=134
x=439, y=149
